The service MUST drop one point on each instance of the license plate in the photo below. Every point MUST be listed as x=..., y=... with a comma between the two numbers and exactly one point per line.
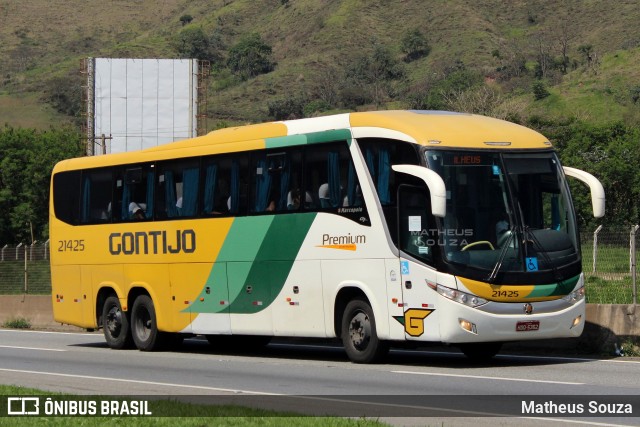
x=531, y=325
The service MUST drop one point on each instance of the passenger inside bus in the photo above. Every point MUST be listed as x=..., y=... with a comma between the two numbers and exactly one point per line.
x=136, y=210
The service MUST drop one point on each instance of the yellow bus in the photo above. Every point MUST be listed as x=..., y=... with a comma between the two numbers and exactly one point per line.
x=371, y=227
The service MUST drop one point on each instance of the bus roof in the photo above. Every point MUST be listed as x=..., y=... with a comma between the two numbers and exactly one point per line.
x=438, y=129
x=429, y=128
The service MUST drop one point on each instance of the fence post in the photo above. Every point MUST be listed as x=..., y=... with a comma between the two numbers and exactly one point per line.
x=595, y=247
x=31, y=250
x=26, y=271
x=46, y=249
x=3, y=249
x=18, y=251
x=632, y=262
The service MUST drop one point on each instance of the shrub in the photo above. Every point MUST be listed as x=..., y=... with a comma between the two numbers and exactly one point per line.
x=17, y=323
x=250, y=57
x=539, y=90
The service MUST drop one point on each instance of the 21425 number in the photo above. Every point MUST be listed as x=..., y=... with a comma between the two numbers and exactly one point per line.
x=70, y=245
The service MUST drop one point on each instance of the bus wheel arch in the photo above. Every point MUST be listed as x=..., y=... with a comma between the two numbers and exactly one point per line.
x=357, y=327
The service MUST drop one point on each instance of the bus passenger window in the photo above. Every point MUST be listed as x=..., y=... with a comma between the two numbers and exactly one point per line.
x=276, y=179
x=133, y=190
x=96, y=196
x=178, y=186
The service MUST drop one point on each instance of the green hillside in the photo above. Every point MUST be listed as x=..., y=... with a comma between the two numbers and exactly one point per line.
x=482, y=56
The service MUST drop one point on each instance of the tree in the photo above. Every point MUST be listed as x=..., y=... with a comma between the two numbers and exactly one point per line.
x=414, y=45
x=193, y=42
x=610, y=152
x=375, y=72
x=250, y=57
x=186, y=19
x=27, y=158
x=539, y=90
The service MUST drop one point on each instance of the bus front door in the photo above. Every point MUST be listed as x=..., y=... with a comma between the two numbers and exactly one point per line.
x=416, y=230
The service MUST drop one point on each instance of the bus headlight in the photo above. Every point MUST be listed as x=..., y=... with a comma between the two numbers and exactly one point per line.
x=459, y=296
x=575, y=296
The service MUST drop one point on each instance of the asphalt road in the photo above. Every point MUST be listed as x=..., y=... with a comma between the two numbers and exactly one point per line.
x=319, y=376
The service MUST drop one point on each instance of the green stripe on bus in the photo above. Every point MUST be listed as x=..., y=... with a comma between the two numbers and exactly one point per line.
x=329, y=135
x=254, y=263
x=285, y=141
x=554, y=289
x=309, y=138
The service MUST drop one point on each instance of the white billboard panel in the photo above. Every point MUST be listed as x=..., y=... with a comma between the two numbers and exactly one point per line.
x=142, y=103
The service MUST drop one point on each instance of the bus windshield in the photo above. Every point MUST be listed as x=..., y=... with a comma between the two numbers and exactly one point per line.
x=505, y=213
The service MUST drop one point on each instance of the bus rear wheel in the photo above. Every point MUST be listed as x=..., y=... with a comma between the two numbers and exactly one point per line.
x=359, y=335
x=144, y=327
x=115, y=324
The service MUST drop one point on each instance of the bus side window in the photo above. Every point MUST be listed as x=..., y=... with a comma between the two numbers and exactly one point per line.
x=178, y=186
x=219, y=176
x=134, y=190
x=238, y=187
x=95, y=196
x=66, y=196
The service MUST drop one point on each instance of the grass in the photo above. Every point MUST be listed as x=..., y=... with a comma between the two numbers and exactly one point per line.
x=28, y=111
x=17, y=323
x=600, y=291
x=12, y=277
x=173, y=413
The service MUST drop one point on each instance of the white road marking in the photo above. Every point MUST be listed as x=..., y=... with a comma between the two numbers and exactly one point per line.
x=481, y=377
x=31, y=348
x=51, y=332
x=89, y=377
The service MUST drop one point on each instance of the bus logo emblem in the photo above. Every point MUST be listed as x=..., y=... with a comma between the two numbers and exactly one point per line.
x=528, y=308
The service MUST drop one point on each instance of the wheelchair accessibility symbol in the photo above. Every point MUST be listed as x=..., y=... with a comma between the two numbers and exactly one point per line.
x=404, y=267
x=532, y=263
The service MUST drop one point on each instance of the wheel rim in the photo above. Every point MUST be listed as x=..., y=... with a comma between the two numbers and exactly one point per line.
x=360, y=330
x=143, y=324
x=114, y=321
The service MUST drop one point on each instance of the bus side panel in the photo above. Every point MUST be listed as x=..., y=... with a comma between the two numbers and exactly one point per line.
x=66, y=288
x=87, y=303
x=395, y=305
x=368, y=275
x=250, y=286
x=190, y=298
x=299, y=309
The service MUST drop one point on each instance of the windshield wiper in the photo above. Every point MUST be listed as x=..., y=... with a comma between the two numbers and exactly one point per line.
x=503, y=253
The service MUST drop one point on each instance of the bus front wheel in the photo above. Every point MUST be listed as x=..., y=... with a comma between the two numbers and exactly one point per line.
x=115, y=324
x=359, y=335
x=144, y=327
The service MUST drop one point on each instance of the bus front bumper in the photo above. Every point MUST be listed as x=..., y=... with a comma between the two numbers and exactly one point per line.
x=467, y=325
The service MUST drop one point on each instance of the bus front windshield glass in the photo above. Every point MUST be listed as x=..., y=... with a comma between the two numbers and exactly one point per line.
x=505, y=212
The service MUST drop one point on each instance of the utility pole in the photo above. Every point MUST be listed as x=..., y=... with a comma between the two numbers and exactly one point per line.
x=103, y=142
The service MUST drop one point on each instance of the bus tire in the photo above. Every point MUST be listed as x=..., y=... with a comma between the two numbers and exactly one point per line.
x=115, y=324
x=359, y=335
x=144, y=325
x=482, y=351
